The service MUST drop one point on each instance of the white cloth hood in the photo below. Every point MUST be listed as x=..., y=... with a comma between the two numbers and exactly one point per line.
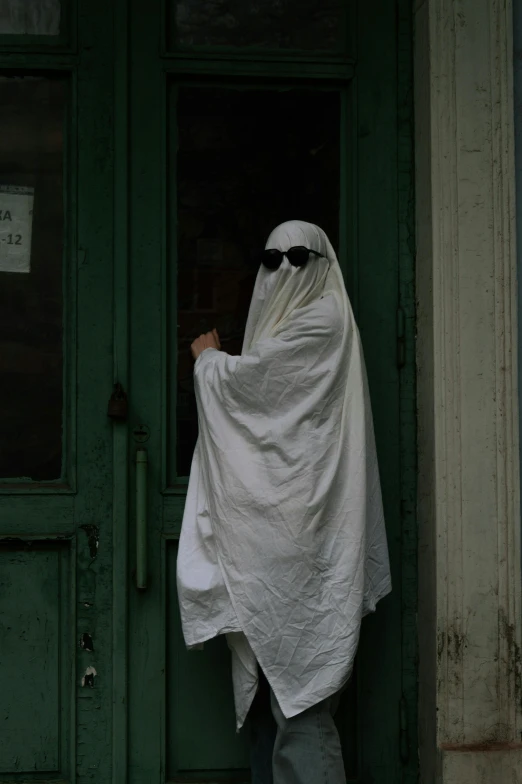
x=283, y=535
x=277, y=294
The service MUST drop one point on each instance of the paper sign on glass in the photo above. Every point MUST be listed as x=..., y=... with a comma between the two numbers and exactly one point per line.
x=16, y=220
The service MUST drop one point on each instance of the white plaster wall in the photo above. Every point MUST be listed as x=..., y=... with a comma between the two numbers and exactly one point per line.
x=469, y=517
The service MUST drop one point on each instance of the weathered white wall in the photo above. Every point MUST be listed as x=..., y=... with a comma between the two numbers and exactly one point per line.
x=469, y=609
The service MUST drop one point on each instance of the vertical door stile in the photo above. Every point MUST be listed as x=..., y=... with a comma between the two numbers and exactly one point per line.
x=120, y=509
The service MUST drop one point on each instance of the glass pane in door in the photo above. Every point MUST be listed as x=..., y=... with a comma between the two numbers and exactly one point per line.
x=31, y=262
x=308, y=25
x=30, y=17
x=245, y=161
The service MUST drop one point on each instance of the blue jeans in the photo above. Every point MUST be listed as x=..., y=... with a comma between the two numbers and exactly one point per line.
x=304, y=749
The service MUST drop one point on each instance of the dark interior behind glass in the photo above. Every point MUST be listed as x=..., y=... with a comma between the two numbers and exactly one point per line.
x=31, y=353
x=246, y=161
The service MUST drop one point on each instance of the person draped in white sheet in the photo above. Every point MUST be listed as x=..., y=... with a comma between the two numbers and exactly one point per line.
x=283, y=545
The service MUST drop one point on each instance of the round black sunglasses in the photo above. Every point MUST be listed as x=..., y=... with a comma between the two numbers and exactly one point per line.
x=297, y=256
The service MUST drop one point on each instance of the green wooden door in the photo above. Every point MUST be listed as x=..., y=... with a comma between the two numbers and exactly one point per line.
x=148, y=151
x=231, y=133
x=56, y=375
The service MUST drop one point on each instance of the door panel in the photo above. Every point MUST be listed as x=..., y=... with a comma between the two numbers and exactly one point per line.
x=198, y=690
x=35, y=605
x=37, y=547
x=56, y=374
x=216, y=165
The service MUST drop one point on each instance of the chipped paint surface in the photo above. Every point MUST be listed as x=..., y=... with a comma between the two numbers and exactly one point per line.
x=86, y=642
x=89, y=676
x=93, y=538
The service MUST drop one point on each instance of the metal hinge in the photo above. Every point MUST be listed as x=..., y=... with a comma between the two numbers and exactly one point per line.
x=401, y=339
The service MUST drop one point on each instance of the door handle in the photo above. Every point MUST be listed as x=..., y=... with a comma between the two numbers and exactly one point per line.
x=141, y=518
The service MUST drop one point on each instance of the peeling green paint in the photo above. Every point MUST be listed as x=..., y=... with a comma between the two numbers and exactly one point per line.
x=93, y=538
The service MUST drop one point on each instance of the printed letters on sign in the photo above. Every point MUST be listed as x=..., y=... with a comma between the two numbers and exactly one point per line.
x=16, y=218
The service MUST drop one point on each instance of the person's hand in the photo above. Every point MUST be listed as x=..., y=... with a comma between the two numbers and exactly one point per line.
x=210, y=340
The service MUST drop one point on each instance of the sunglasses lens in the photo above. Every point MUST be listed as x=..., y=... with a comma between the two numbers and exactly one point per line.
x=298, y=256
x=272, y=259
